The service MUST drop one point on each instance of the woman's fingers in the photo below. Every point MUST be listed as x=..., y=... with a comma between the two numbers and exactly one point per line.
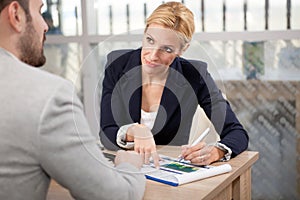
x=156, y=159
x=202, y=154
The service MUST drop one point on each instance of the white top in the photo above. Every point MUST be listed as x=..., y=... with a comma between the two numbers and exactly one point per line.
x=148, y=118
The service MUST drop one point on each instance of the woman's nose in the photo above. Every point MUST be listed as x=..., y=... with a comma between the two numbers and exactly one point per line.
x=154, y=53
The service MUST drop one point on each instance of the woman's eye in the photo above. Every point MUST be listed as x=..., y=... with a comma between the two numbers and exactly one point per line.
x=150, y=40
x=168, y=50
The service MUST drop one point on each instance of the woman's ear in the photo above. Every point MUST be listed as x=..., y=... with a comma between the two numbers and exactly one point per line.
x=16, y=16
x=186, y=46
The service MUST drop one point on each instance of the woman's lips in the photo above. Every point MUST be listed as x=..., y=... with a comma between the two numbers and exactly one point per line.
x=151, y=64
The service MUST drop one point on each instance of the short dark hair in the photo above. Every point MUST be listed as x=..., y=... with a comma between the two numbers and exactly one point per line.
x=23, y=3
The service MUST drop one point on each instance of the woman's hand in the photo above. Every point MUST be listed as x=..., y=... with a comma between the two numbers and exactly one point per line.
x=144, y=143
x=201, y=154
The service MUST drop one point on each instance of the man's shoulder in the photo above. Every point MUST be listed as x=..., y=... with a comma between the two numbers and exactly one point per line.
x=42, y=78
x=47, y=84
x=22, y=72
x=31, y=79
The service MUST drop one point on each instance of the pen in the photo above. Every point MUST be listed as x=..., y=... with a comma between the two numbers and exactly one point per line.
x=199, y=139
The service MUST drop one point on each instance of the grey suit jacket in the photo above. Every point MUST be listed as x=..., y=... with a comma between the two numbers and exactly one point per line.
x=44, y=135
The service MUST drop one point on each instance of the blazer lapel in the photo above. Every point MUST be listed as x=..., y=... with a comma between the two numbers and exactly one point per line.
x=175, y=89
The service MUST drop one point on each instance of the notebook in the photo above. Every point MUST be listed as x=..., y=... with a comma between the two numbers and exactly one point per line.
x=175, y=173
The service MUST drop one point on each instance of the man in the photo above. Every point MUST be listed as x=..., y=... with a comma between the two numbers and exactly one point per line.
x=43, y=131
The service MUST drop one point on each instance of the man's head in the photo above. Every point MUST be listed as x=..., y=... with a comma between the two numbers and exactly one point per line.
x=23, y=3
x=24, y=28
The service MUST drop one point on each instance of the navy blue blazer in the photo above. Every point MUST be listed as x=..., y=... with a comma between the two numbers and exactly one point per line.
x=188, y=84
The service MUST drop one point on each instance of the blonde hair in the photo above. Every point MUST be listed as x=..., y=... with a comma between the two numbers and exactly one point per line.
x=176, y=16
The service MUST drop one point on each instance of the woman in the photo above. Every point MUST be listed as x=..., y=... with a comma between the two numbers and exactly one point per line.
x=150, y=94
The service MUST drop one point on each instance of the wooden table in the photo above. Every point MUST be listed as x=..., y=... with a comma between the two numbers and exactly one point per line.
x=234, y=185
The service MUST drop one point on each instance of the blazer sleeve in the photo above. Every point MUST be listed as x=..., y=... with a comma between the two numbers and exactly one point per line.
x=108, y=125
x=218, y=110
x=71, y=155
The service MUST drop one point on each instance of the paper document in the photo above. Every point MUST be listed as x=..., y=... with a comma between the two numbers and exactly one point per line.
x=175, y=173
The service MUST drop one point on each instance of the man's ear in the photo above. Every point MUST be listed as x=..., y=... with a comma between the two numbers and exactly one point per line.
x=16, y=16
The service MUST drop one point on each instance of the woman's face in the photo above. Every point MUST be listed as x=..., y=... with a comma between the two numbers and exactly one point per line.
x=160, y=47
